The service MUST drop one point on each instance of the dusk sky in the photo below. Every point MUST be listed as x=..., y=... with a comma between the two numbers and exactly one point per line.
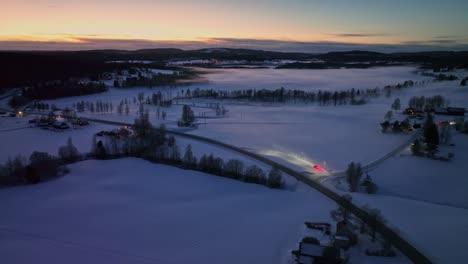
x=295, y=25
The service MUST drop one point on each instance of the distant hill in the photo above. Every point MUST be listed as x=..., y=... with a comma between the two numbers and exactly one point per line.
x=20, y=67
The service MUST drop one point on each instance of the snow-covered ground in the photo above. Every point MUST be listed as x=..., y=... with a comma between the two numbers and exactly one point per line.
x=427, y=180
x=437, y=231
x=132, y=211
x=329, y=136
x=424, y=199
x=17, y=137
x=309, y=80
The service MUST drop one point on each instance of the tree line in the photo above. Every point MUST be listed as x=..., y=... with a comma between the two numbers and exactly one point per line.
x=99, y=106
x=155, y=79
x=430, y=102
x=354, y=179
x=155, y=146
x=57, y=89
x=40, y=166
x=282, y=95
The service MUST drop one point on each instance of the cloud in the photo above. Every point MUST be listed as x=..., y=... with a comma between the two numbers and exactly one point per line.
x=92, y=42
x=447, y=37
x=359, y=35
x=444, y=41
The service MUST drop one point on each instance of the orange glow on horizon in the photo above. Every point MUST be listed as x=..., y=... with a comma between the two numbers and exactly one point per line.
x=79, y=38
x=209, y=21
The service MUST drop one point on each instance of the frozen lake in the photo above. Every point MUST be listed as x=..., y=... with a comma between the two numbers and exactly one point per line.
x=333, y=79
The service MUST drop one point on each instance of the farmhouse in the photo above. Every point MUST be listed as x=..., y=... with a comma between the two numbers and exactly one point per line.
x=60, y=125
x=311, y=253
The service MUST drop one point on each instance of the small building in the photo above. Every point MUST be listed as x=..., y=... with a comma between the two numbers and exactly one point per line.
x=317, y=254
x=68, y=113
x=341, y=242
x=451, y=111
x=345, y=229
x=409, y=111
x=60, y=125
x=43, y=122
x=124, y=131
x=305, y=259
x=80, y=121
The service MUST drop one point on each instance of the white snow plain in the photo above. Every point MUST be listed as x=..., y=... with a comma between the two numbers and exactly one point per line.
x=133, y=211
x=424, y=199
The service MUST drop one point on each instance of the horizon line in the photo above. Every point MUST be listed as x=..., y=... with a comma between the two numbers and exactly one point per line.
x=87, y=43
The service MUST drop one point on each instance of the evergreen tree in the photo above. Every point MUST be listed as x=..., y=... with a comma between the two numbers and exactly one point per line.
x=143, y=126
x=254, y=174
x=431, y=133
x=353, y=176
x=234, y=168
x=275, y=179
x=187, y=116
x=385, y=125
x=342, y=213
x=189, y=159
x=388, y=115
x=370, y=185
x=171, y=141
x=464, y=81
x=100, y=152
x=416, y=148
x=40, y=164
x=396, y=104
x=175, y=153
x=69, y=152
x=93, y=144
x=120, y=109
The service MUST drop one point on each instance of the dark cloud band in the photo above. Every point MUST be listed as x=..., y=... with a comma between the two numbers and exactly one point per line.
x=90, y=43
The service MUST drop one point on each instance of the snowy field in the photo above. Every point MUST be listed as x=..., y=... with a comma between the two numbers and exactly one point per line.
x=306, y=131
x=417, y=196
x=308, y=80
x=437, y=231
x=132, y=211
x=427, y=180
x=18, y=137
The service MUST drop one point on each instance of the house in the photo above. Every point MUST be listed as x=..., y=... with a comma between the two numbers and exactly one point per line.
x=318, y=254
x=43, y=122
x=80, y=122
x=341, y=242
x=345, y=229
x=60, y=125
x=68, y=113
x=409, y=111
x=124, y=131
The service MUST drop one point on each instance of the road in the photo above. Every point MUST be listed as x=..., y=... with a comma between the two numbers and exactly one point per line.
x=390, y=154
x=411, y=252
